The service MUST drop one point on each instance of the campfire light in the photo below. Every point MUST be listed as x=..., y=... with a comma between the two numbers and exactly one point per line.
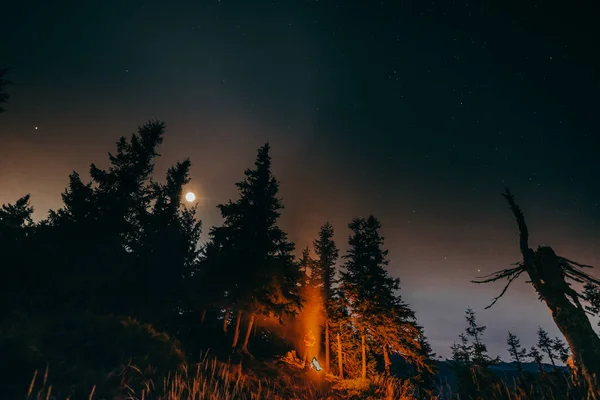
x=315, y=364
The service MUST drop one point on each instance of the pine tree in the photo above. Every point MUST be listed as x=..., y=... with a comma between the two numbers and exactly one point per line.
x=517, y=353
x=306, y=265
x=426, y=376
x=341, y=327
x=324, y=268
x=471, y=360
x=379, y=316
x=253, y=252
x=545, y=344
x=132, y=244
x=102, y=222
x=591, y=295
x=16, y=229
x=461, y=352
x=479, y=353
x=561, y=349
x=537, y=358
x=166, y=250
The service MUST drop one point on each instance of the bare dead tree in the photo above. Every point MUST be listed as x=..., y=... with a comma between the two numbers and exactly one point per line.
x=548, y=273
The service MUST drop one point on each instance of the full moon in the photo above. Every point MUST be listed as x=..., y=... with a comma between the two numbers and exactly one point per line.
x=189, y=196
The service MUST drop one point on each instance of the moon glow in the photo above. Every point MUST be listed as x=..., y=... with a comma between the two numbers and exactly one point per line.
x=189, y=196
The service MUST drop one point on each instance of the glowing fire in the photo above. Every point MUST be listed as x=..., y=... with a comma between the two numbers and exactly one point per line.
x=315, y=364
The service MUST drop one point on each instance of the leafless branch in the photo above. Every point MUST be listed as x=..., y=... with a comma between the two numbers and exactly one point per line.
x=574, y=262
x=493, y=277
x=571, y=269
x=518, y=213
x=510, y=280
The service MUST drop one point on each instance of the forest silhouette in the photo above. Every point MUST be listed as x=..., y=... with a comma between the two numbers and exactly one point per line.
x=112, y=295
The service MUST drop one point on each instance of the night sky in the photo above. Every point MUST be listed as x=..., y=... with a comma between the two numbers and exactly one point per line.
x=419, y=113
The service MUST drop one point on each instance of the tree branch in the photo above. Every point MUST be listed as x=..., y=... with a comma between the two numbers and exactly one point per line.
x=518, y=213
x=493, y=277
x=516, y=272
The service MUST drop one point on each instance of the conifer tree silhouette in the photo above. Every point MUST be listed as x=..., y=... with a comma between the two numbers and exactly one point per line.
x=262, y=276
x=380, y=318
x=545, y=344
x=324, y=269
x=470, y=359
x=591, y=295
x=537, y=357
x=16, y=231
x=517, y=353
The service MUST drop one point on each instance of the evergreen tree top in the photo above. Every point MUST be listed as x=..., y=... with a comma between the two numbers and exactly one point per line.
x=262, y=275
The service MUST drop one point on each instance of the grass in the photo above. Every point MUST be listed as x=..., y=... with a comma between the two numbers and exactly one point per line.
x=211, y=379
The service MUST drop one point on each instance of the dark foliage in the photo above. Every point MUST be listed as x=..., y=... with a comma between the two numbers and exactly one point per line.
x=471, y=361
x=248, y=264
x=82, y=350
x=517, y=353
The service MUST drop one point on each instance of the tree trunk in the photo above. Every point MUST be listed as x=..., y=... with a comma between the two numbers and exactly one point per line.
x=236, y=333
x=583, y=340
x=203, y=316
x=548, y=278
x=364, y=357
x=248, y=332
x=386, y=360
x=327, y=346
x=340, y=356
x=226, y=321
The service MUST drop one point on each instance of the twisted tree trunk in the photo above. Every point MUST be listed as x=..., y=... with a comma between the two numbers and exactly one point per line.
x=572, y=321
x=547, y=273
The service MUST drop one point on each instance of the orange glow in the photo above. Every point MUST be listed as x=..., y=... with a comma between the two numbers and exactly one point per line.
x=311, y=321
x=305, y=329
x=315, y=364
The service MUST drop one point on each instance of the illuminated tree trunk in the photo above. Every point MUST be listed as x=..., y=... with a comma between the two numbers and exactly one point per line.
x=203, y=316
x=327, y=346
x=226, y=321
x=248, y=332
x=547, y=272
x=236, y=333
x=578, y=331
x=386, y=359
x=340, y=355
x=364, y=357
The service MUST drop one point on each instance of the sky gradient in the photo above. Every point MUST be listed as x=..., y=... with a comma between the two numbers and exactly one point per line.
x=419, y=112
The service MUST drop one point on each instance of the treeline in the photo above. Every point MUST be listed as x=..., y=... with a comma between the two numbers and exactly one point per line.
x=124, y=244
x=477, y=378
